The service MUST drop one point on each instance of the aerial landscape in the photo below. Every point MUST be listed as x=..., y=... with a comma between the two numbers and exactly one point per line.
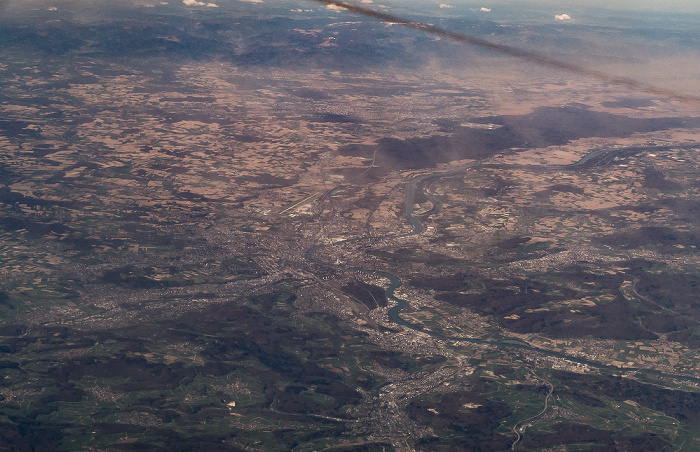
x=281, y=225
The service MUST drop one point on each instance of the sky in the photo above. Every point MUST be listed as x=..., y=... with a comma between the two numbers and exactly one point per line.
x=628, y=5
x=631, y=5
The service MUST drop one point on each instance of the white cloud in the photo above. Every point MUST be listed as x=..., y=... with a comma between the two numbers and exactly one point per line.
x=335, y=7
x=562, y=17
x=52, y=8
x=252, y=1
x=485, y=10
x=197, y=3
x=367, y=1
x=445, y=5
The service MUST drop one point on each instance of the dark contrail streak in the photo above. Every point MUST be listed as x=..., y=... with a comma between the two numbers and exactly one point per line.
x=518, y=53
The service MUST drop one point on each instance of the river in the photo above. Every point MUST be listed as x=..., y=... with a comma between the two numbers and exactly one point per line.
x=596, y=158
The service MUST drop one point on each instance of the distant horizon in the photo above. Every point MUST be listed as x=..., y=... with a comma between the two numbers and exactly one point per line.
x=628, y=5
x=677, y=6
